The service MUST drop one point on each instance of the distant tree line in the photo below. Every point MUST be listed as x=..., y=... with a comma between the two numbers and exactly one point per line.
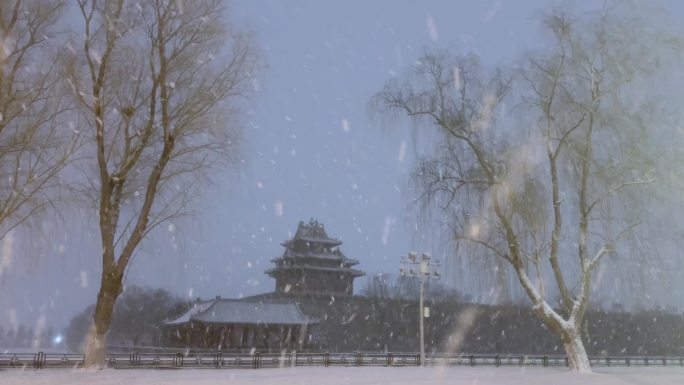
x=453, y=326
x=137, y=319
x=385, y=318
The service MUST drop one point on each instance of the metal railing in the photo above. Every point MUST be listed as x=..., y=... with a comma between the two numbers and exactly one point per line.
x=40, y=360
x=256, y=360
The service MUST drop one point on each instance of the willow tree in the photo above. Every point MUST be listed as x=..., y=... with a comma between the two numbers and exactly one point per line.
x=35, y=144
x=554, y=185
x=158, y=83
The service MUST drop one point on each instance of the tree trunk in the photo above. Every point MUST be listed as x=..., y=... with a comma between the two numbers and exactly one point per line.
x=96, y=342
x=574, y=348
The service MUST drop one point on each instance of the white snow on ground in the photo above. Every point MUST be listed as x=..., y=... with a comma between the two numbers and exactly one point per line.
x=346, y=375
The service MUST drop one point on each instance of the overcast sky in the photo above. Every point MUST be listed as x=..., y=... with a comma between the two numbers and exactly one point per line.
x=312, y=150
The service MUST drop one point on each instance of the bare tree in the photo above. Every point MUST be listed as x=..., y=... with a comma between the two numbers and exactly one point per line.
x=552, y=189
x=160, y=91
x=35, y=145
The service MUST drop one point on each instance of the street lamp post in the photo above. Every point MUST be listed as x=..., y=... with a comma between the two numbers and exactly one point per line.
x=424, y=269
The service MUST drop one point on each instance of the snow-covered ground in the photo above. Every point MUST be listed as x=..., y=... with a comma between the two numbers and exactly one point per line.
x=348, y=375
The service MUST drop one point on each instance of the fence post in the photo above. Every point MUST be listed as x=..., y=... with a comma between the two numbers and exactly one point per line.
x=39, y=360
x=218, y=360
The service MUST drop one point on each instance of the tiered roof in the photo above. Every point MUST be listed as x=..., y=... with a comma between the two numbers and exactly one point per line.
x=313, y=232
x=312, y=249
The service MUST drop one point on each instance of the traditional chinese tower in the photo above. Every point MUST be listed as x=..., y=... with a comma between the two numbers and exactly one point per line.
x=313, y=263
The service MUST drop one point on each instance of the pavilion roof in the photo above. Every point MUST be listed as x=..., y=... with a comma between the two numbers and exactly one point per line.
x=236, y=311
x=197, y=307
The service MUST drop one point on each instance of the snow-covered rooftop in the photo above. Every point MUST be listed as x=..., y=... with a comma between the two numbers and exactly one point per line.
x=235, y=311
x=197, y=307
x=312, y=232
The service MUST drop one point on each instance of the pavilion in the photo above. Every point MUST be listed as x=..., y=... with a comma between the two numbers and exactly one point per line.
x=233, y=324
